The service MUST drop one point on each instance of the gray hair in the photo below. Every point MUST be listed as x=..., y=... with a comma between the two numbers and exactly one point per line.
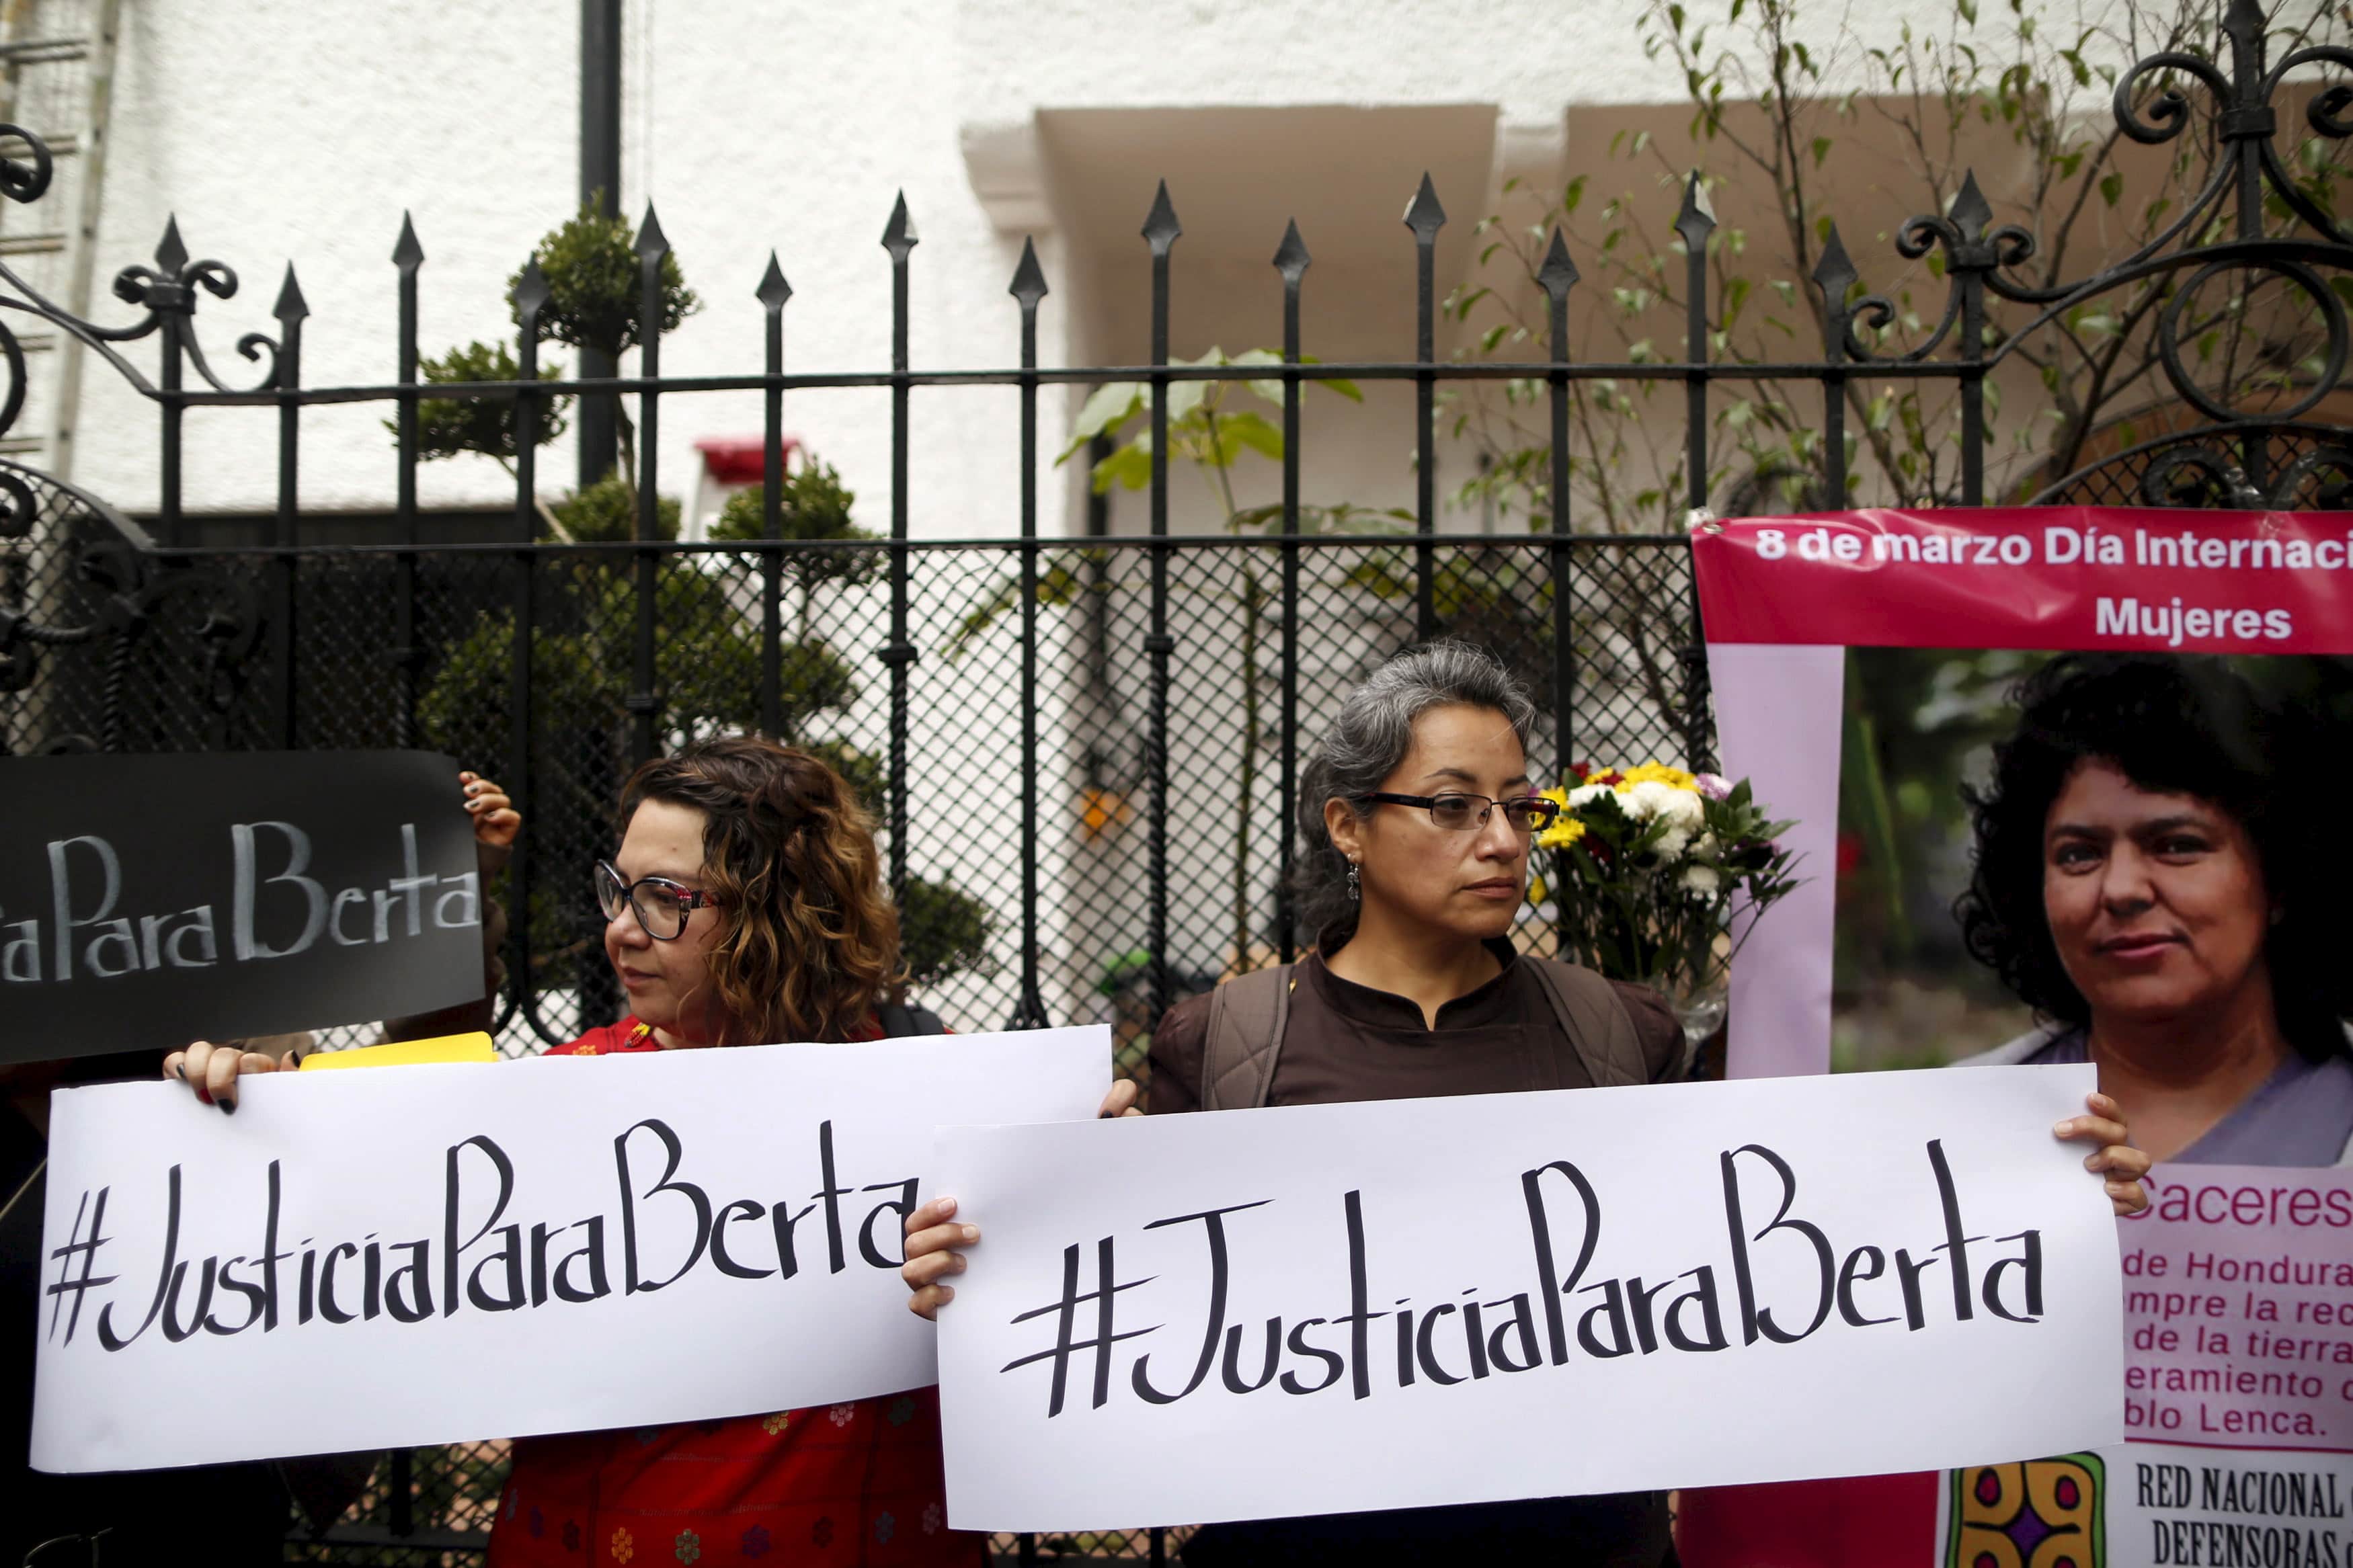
x=1371, y=738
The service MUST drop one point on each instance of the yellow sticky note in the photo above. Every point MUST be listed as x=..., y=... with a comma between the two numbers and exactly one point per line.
x=473, y=1047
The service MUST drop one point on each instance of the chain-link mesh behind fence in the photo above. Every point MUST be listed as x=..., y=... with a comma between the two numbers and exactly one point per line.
x=386, y=650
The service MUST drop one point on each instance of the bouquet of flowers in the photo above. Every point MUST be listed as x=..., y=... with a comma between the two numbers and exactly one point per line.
x=1655, y=866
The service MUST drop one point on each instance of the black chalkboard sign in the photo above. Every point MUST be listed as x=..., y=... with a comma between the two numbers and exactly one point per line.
x=149, y=900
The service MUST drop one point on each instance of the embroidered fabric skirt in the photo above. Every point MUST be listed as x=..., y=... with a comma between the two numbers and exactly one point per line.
x=851, y=1484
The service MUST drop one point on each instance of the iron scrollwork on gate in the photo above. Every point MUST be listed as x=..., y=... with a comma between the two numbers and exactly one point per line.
x=79, y=576
x=2249, y=458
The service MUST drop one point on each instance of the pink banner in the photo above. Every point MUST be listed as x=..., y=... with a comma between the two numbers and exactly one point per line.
x=2033, y=577
x=1779, y=595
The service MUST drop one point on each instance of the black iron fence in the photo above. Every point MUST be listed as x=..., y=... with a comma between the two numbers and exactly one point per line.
x=1082, y=750
x=1022, y=759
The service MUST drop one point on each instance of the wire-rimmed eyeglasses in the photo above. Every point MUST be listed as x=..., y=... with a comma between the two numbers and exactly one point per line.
x=1458, y=813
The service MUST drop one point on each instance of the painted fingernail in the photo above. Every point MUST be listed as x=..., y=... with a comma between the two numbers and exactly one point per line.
x=182, y=1069
x=228, y=1107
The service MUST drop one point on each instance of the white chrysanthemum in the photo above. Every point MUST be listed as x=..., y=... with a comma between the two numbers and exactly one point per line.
x=1680, y=806
x=1707, y=846
x=1671, y=844
x=1641, y=800
x=1700, y=879
x=1584, y=794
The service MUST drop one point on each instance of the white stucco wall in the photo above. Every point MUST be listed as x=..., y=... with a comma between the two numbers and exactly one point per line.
x=299, y=130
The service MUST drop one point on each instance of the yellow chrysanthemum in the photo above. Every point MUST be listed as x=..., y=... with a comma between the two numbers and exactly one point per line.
x=1657, y=773
x=1565, y=831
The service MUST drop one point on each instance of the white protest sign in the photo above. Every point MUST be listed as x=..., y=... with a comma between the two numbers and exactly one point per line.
x=440, y=1253
x=1325, y=1309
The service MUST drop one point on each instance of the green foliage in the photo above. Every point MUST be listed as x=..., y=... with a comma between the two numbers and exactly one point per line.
x=463, y=708
x=812, y=504
x=606, y=512
x=943, y=931
x=451, y=426
x=709, y=656
x=1209, y=431
x=592, y=270
x=1203, y=428
x=1791, y=98
x=709, y=665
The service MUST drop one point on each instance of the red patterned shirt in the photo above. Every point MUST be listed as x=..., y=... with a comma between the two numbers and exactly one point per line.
x=856, y=1484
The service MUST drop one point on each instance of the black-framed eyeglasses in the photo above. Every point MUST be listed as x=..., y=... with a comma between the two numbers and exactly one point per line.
x=1458, y=813
x=662, y=906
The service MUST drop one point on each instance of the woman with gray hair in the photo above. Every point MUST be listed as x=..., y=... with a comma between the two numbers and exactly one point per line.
x=1418, y=816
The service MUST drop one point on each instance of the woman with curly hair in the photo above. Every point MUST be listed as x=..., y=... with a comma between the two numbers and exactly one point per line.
x=744, y=906
x=2144, y=880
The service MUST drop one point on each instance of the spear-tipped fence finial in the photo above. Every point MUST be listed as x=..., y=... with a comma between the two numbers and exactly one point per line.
x=531, y=290
x=652, y=241
x=1290, y=258
x=291, y=307
x=899, y=235
x=1971, y=211
x=774, y=290
x=1834, y=273
x=1558, y=274
x=171, y=254
x=1029, y=279
x=1423, y=215
x=1160, y=226
x=408, y=254
x=1696, y=221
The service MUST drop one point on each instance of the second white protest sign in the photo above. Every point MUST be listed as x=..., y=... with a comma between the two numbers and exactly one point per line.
x=1327, y=1309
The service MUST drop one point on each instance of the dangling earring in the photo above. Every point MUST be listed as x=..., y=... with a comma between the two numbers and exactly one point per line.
x=1356, y=884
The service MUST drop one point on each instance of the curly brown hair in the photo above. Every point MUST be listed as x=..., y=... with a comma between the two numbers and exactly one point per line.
x=2178, y=725
x=808, y=942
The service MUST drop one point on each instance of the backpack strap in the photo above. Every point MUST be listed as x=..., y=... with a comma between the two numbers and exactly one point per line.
x=1247, y=1015
x=1596, y=1022
x=902, y=1019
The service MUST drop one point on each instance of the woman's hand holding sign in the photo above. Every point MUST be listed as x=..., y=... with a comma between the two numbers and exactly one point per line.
x=212, y=1070
x=496, y=821
x=2124, y=1164
x=934, y=1235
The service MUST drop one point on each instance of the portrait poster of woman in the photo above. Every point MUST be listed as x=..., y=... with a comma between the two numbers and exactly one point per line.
x=2059, y=847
